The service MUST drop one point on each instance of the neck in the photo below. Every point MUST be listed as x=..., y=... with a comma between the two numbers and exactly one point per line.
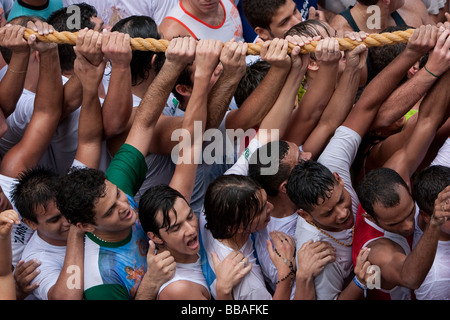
x=362, y=17
x=35, y=3
x=282, y=206
x=237, y=242
x=111, y=236
x=140, y=89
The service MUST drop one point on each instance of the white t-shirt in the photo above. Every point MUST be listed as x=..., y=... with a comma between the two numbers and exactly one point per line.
x=112, y=11
x=338, y=157
x=436, y=285
x=252, y=286
x=189, y=272
x=52, y=261
x=21, y=234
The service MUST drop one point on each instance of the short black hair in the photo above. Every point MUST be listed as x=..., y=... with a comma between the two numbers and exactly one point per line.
x=231, y=201
x=270, y=183
x=310, y=182
x=254, y=74
x=36, y=186
x=259, y=13
x=428, y=183
x=380, y=186
x=158, y=198
x=59, y=19
x=78, y=192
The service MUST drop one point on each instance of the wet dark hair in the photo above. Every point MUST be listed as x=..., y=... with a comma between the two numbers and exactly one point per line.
x=78, y=193
x=380, y=186
x=36, y=186
x=310, y=182
x=231, y=201
x=156, y=199
x=141, y=63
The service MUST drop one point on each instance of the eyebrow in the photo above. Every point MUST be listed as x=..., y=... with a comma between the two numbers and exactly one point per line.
x=114, y=204
x=410, y=213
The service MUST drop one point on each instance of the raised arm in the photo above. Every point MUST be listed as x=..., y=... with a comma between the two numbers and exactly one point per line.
x=434, y=111
x=233, y=62
x=179, y=54
x=118, y=104
x=318, y=94
x=11, y=86
x=340, y=103
x=409, y=93
x=378, y=90
x=278, y=116
x=90, y=124
x=206, y=59
x=256, y=106
x=47, y=110
x=7, y=219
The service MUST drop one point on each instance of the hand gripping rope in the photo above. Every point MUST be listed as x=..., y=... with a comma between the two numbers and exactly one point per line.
x=140, y=44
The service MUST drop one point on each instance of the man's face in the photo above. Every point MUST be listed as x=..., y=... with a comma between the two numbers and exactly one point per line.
x=400, y=218
x=285, y=18
x=113, y=212
x=335, y=212
x=52, y=227
x=181, y=238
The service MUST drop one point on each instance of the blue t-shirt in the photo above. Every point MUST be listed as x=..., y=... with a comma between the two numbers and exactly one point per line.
x=250, y=34
x=20, y=8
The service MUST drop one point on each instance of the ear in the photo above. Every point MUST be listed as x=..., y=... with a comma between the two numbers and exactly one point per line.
x=368, y=217
x=313, y=65
x=156, y=239
x=338, y=178
x=426, y=217
x=305, y=215
x=282, y=187
x=264, y=34
x=184, y=90
x=86, y=227
x=33, y=226
x=413, y=70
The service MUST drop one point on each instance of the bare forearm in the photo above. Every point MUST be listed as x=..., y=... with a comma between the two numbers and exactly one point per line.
x=403, y=99
x=11, y=86
x=69, y=285
x=304, y=288
x=72, y=96
x=418, y=263
x=259, y=103
x=118, y=103
x=50, y=89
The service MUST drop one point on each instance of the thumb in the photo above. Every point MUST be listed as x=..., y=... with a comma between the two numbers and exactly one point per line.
x=151, y=248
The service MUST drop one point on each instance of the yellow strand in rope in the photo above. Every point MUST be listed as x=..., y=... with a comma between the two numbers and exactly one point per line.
x=140, y=44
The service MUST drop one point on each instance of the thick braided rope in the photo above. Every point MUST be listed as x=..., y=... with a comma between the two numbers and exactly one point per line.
x=139, y=44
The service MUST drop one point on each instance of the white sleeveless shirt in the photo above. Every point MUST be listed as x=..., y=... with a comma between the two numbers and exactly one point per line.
x=231, y=26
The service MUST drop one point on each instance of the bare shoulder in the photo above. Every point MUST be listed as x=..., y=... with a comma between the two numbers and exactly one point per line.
x=383, y=251
x=415, y=13
x=171, y=28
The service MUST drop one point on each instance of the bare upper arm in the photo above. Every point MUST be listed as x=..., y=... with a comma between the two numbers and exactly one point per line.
x=389, y=257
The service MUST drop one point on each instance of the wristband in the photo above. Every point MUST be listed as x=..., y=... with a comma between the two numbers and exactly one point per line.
x=425, y=67
x=360, y=285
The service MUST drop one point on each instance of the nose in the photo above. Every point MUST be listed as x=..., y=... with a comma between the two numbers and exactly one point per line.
x=342, y=213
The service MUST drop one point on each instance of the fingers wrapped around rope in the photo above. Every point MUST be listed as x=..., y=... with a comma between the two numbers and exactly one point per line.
x=149, y=44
